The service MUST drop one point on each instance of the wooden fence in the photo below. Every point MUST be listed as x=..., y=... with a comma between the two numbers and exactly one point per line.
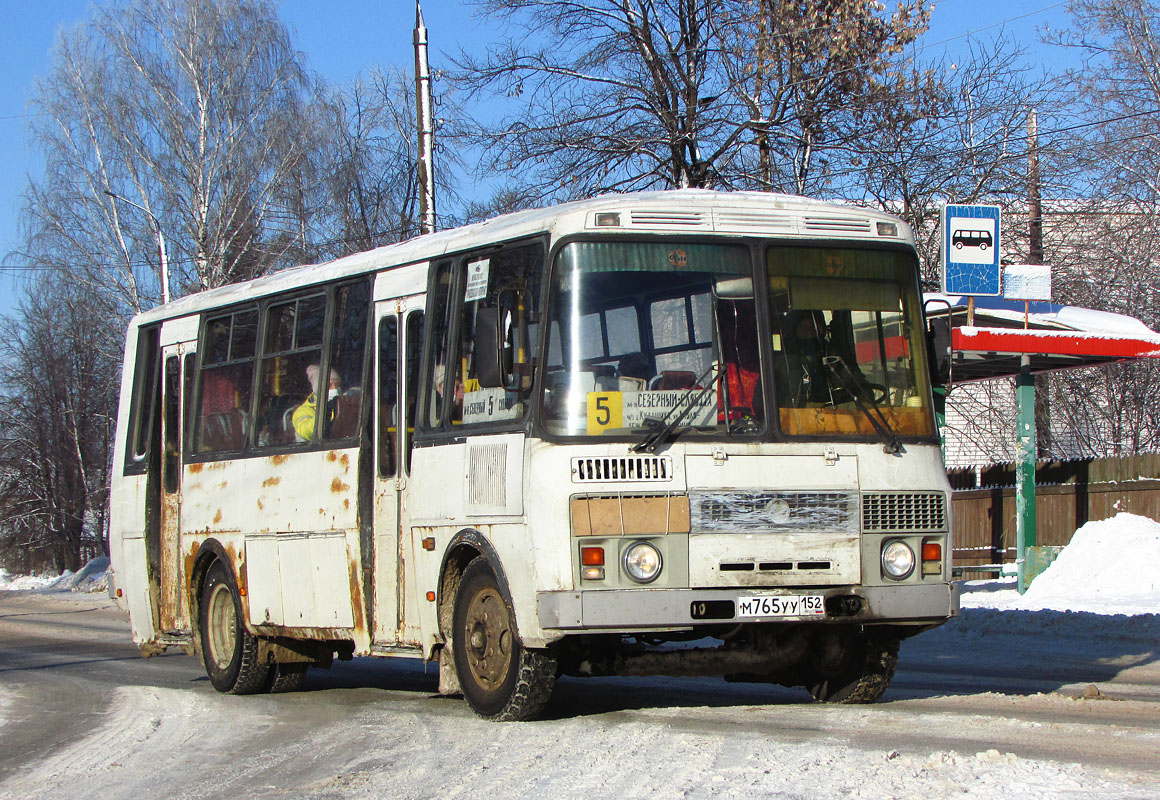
x=1068, y=494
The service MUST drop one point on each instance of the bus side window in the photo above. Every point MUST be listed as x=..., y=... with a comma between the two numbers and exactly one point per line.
x=509, y=288
x=226, y=382
x=388, y=394
x=440, y=320
x=144, y=400
x=292, y=354
x=347, y=350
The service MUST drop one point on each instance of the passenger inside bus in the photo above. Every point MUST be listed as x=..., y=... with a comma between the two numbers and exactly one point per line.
x=305, y=416
x=801, y=371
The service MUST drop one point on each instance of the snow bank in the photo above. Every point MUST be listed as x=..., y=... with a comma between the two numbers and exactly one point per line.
x=92, y=577
x=1111, y=566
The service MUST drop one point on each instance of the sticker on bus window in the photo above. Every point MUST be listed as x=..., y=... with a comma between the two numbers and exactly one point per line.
x=604, y=411
x=490, y=405
x=477, y=272
x=630, y=409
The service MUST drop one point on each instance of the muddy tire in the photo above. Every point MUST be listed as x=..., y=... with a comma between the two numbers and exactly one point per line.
x=286, y=677
x=228, y=650
x=859, y=672
x=499, y=677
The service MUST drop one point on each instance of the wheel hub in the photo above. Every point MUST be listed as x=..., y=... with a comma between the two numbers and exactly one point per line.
x=222, y=626
x=489, y=639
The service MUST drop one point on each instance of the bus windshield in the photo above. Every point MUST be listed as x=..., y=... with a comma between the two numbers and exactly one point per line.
x=642, y=334
x=847, y=342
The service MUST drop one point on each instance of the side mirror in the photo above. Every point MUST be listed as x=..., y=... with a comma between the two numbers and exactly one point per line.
x=501, y=343
x=938, y=343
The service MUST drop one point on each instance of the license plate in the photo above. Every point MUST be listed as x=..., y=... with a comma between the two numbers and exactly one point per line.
x=781, y=605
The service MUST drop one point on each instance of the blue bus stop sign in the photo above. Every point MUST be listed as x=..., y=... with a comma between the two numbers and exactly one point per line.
x=970, y=248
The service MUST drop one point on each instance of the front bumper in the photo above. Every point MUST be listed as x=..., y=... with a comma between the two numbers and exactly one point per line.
x=609, y=610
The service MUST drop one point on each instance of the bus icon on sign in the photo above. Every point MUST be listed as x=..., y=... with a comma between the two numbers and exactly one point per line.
x=969, y=238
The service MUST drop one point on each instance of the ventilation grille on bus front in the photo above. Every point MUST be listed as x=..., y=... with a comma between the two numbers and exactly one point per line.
x=622, y=468
x=754, y=221
x=668, y=219
x=898, y=512
x=838, y=224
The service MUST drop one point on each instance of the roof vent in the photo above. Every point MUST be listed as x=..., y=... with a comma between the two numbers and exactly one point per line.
x=838, y=224
x=668, y=219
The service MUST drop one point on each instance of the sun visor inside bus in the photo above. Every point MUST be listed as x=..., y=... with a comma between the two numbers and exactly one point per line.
x=844, y=295
x=733, y=288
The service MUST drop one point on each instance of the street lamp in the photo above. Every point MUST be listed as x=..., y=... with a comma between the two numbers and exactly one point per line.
x=160, y=243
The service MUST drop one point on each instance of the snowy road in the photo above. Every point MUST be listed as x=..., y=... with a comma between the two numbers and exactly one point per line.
x=993, y=703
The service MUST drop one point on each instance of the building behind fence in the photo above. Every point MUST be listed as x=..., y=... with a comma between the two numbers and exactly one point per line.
x=1068, y=494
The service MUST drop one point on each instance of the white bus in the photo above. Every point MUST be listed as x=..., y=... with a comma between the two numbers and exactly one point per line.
x=678, y=432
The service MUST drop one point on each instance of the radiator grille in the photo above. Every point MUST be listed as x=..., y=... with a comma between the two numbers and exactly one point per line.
x=903, y=511
x=622, y=468
x=743, y=512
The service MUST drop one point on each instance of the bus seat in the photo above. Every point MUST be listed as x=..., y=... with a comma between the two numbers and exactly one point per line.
x=225, y=430
x=346, y=416
x=674, y=379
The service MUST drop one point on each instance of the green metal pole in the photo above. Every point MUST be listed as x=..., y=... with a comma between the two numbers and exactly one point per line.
x=1024, y=468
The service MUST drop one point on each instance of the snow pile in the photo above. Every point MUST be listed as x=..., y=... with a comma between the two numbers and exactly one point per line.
x=92, y=577
x=1111, y=566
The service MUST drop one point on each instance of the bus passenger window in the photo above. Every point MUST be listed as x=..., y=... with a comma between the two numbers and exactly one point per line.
x=348, y=343
x=144, y=400
x=227, y=371
x=292, y=351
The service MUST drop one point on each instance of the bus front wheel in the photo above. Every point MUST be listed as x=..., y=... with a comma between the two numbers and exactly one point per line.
x=228, y=650
x=499, y=677
x=853, y=670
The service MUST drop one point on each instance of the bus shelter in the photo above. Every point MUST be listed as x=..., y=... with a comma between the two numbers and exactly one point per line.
x=1003, y=338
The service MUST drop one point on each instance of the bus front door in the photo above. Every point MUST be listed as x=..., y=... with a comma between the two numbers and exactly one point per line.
x=399, y=336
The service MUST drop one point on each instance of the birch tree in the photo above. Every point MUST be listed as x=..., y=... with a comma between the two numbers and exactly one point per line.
x=196, y=110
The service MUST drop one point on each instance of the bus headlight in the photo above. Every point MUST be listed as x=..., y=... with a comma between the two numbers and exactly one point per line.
x=642, y=562
x=897, y=559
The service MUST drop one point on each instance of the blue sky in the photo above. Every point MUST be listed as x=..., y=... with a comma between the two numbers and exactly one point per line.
x=343, y=37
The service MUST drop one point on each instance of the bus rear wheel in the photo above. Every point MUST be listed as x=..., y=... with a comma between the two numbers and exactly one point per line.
x=500, y=678
x=853, y=670
x=228, y=650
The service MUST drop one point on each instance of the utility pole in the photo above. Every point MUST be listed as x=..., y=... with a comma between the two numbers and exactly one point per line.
x=426, y=129
x=160, y=243
x=1034, y=200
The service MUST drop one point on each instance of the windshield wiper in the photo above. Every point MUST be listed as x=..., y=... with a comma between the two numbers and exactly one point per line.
x=877, y=419
x=664, y=427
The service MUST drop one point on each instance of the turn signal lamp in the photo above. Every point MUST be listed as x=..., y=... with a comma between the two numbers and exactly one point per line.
x=592, y=556
x=931, y=558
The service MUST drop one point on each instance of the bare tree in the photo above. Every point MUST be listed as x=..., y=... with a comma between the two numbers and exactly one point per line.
x=193, y=109
x=1105, y=243
x=59, y=370
x=810, y=76
x=635, y=94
